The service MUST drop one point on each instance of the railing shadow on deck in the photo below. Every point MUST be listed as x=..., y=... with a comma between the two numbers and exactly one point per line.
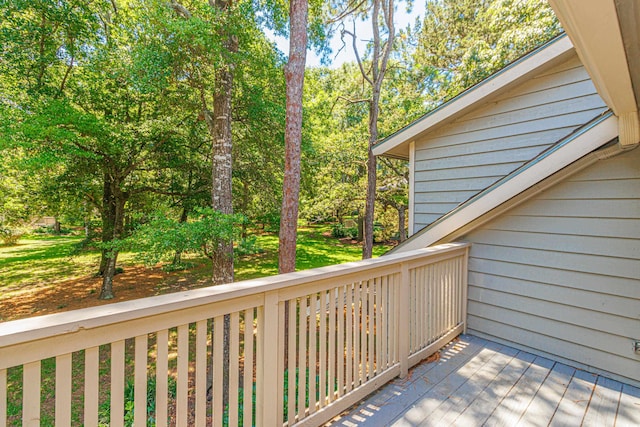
x=305, y=346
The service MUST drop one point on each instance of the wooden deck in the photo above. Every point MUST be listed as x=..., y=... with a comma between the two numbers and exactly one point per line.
x=478, y=382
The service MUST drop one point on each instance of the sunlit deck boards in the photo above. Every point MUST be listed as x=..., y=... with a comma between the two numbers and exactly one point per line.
x=478, y=382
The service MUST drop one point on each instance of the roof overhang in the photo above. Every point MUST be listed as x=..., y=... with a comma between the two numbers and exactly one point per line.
x=526, y=181
x=546, y=56
x=606, y=36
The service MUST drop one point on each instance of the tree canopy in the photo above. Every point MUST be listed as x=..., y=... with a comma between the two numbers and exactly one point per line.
x=106, y=107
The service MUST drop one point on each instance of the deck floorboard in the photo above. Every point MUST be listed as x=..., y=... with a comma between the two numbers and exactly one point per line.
x=477, y=382
x=575, y=401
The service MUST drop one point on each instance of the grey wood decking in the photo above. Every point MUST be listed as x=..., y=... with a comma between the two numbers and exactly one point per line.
x=481, y=383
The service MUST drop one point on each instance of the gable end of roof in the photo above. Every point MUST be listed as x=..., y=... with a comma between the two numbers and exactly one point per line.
x=547, y=55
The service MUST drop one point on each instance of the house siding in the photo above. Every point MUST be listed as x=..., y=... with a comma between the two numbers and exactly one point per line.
x=473, y=152
x=560, y=274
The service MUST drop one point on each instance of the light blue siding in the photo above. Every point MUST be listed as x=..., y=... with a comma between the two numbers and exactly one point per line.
x=471, y=153
x=560, y=274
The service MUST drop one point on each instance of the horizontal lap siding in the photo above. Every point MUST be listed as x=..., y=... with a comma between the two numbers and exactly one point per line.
x=560, y=274
x=473, y=152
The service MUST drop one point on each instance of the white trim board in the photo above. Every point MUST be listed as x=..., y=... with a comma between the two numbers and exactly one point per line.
x=604, y=47
x=544, y=57
x=582, y=142
x=594, y=27
x=412, y=187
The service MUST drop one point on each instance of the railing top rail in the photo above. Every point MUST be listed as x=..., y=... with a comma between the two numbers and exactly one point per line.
x=25, y=330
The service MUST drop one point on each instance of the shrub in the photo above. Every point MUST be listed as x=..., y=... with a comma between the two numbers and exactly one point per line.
x=381, y=233
x=338, y=230
x=42, y=230
x=248, y=246
x=10, y=236
x=162, y=237
x=180, y=266
x=352, y=232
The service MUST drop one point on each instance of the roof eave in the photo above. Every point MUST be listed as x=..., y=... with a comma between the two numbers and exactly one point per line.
x=607, y=41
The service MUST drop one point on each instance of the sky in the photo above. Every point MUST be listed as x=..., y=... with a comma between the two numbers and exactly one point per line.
x=364, y=33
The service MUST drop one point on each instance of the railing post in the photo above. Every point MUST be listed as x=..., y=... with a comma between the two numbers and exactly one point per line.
x=3, y=398
x=465, y=285
x=404, y=319
x=267, y=375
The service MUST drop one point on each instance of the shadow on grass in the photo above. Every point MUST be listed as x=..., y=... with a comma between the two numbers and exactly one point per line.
x=40, y=276
x=31, y=250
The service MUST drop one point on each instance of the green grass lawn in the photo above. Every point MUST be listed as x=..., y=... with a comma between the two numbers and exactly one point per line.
x=39, y=261
x=315, y=249
x=43, y=261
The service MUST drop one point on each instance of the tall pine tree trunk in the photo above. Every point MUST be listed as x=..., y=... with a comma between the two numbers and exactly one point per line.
x=374, y=108
x=221, y=192
x=221, y=200
x=221, y=195
x=294, y=75
x=379, y=61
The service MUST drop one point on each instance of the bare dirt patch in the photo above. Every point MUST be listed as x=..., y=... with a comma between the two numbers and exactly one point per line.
x=135, y=282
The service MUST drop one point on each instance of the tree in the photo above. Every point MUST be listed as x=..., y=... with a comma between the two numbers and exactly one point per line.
x=381, y=18
x=338, y=154
x=220, y=127
x=160, y=238
x=294, y=75
x=468, y=40
x=215, y=46
x=393, y=192
x=82, y=107
x=227, y=76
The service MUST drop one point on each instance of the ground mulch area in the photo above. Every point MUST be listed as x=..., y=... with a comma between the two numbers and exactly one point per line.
x=135, y=282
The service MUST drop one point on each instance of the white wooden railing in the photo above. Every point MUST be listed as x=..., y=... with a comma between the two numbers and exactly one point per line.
x=302, y=347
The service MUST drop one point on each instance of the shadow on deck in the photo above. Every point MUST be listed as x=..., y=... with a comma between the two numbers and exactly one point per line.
x=477, y=382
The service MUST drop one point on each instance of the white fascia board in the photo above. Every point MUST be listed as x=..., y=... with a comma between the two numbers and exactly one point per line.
x=479, y=93
x=594, y=28
x=573, y=148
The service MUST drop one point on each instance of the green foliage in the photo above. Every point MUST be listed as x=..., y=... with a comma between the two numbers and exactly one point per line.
x=268, y=222
x=177, y=266
x=339, y=231
x=129, y=398
x=381, y=233
x=116, y=112
x=97, y=97
x=159, y=239
x=468, y=40
x=274, y=15
x=10, y=236
x=51, y=231
x=248, y=246
x=335, y=186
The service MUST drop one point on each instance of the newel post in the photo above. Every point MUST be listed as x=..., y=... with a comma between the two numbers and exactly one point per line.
x=269, y=400
x=465, y=288
x=404, y=320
